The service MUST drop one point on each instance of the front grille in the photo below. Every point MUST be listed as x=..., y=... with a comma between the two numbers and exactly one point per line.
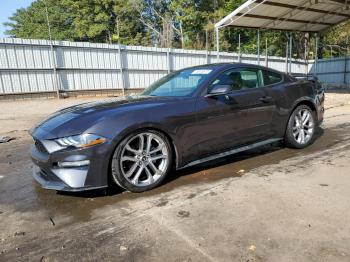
x=40, y=146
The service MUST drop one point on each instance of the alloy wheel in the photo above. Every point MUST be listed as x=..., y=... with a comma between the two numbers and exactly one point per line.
x=144, y=159
x=303, y=126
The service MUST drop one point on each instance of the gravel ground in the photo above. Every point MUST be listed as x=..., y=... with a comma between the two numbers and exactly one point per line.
x=270, y=204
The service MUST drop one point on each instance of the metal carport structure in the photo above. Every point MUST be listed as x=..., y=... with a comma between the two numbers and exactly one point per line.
x=311, y=16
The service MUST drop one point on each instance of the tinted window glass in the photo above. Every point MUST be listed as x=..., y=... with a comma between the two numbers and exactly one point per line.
x=181, y=83
x=250, y=78
x=230, y=78
x=271, y=78
x=238, y=79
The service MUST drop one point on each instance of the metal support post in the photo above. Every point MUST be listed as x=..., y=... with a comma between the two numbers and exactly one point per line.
x=306, y=61
x=239, y=48
x=290, y=52
x=266, y=54
x=217, y=44
x=55, y=81
x=287, y=56
x=316, y=53
x=121, y=69
x=258, y=47
x=168, y=60
x=206, y=47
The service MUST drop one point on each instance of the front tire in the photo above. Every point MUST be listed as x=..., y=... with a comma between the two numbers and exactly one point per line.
x=141, y=161
x=301, y=127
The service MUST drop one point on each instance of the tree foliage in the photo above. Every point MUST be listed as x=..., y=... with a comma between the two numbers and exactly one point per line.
x=32, y=21
x=165, y=23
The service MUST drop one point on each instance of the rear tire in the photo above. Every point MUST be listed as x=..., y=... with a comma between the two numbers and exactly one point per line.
x=142, y=161
x=301, y=128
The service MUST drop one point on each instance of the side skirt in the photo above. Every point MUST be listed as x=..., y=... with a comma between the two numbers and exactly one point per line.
x=231, y=152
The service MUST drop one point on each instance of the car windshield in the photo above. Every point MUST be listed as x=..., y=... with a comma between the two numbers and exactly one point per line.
x=180, y=83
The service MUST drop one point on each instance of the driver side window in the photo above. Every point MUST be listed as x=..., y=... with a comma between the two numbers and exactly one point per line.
x=238, y=79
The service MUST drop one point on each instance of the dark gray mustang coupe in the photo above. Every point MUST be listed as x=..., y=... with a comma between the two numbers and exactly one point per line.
x=186, y=118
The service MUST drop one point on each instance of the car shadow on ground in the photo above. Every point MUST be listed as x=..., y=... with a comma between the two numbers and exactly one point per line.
x=171, y=181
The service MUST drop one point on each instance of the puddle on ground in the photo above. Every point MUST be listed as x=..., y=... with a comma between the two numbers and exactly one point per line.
x=23, y=194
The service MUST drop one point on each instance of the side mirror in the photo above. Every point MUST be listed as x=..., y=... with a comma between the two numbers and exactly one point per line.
x=219, y=90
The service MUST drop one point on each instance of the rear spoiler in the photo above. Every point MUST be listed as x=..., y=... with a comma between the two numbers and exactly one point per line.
x=308, y=77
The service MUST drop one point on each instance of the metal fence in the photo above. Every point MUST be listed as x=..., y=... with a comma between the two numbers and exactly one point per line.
x=30, y=66
x=332, y=70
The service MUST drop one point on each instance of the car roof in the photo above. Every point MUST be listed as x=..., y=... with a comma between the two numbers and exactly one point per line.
x=220, y=66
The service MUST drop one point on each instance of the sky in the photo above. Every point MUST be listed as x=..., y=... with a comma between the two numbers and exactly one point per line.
x=7, y=8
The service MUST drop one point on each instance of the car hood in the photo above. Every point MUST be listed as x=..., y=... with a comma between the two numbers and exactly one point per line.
x=77, y=119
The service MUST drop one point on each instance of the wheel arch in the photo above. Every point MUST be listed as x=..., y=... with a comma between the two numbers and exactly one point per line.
x=302, y=101
x=126, y=133
x=306, y=102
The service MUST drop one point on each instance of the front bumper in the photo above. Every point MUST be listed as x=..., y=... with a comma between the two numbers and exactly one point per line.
x=53, y=182
x=73, y=178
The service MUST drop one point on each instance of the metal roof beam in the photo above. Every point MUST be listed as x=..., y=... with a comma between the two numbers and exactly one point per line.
x=289, y=13
x=289, y=6
x=272, y=18
x=241, y=8
x=277, y=29
x=231, y=17
x=322, y=17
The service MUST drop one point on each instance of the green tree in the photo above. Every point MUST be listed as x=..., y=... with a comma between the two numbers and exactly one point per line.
x=32, y=22
x=338, y=38
x=103, y=21
x=92, y=19
x=107, y=21
x=129, y=30
x=167, y=23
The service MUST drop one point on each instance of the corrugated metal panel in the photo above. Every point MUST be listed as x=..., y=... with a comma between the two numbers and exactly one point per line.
x=334, y=70
x=26, y=66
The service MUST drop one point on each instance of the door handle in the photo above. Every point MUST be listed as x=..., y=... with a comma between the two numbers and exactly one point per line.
x=265, y=99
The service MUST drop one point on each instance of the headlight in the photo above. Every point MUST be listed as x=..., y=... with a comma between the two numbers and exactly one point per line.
x=84, y=140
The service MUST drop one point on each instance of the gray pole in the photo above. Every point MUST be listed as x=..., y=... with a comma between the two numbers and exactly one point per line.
x=290, y=52
x=121, y=64
x=239, y=48
x=266, y=54
x=316, y=54
x=287, y=57
x=206, y=46
x=331, y=51
x=306, y=61
x=258, y=47
x=182, y=36
x=346, y=59
x=55, y=81
x=168, y=60
x=217, y=44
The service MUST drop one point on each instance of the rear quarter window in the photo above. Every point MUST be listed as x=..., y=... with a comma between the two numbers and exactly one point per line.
x=250, y=78
x=271, y=78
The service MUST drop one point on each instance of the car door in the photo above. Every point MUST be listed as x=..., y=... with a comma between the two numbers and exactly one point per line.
x=237, y=118
x=274, y=83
